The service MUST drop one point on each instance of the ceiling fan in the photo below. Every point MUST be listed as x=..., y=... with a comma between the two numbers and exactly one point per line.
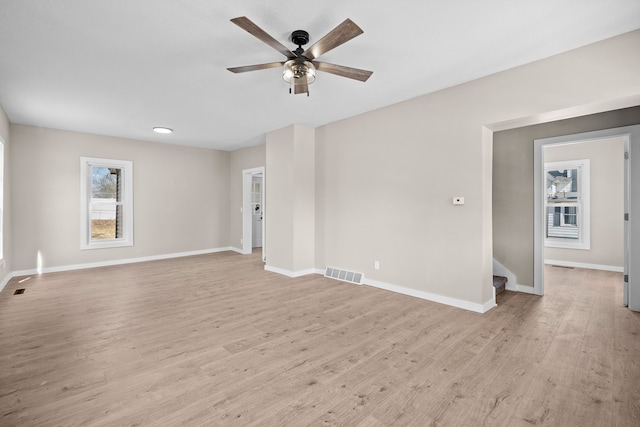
x=299, y=70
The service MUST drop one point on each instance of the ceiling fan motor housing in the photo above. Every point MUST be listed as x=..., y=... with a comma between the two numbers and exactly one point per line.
x=300, y=37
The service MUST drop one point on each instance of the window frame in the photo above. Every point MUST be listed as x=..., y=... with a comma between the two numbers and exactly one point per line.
x=126, y=167
x=2, y=201
x=582, y=205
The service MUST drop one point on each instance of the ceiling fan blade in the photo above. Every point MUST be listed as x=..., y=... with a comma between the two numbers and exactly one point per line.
x=341, y=70
x=247, y=25
x=301, y=85
x=256, y=67
x=339, y=35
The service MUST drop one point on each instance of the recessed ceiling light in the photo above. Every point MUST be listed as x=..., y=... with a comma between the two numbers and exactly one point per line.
x=162, y=130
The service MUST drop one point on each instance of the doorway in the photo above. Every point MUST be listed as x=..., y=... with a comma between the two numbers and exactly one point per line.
x=627, y=134
x=254, y=211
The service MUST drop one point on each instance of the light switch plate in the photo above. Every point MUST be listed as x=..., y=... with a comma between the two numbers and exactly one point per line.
x=458, y=200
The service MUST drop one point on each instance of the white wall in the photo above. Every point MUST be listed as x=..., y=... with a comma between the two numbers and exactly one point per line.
x=607, y=203
x=6, y=265
x=290, y=200
x=181, y=197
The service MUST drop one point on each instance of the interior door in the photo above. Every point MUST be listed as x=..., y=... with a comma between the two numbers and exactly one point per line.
x=632, y=222
x=256, y=212
x=625, y=283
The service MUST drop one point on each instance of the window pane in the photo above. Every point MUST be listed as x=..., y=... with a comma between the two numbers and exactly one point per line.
x=106, y=221
x=105, y=183
x=562, y=184
x=570, y=216
x=561, y=222
x=103, y=229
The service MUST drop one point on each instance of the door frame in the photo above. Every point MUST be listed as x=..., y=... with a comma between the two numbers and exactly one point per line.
x=631, y=135
x=247, y=237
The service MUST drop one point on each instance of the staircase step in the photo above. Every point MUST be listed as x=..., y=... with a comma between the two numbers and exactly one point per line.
x=500, y=283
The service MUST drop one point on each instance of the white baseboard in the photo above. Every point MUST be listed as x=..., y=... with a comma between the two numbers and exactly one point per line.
x=454, y=302
x=614, y=268
x=238, y=250
x=289, y=273
x=116, y=262
x=478, y=308
x=5, y=280
x=525, y=289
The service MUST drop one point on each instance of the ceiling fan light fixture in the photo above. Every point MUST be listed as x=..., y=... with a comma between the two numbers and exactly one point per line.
x=294, y=69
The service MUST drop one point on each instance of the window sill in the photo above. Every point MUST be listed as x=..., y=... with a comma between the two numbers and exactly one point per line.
x=567, y=245
x=106, y=245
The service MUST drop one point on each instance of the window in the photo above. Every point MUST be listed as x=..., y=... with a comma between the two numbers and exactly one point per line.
x=567, y=204
x=106, y=188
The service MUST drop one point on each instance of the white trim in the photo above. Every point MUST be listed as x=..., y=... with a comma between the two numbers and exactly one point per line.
x=290, y=273
x=627, y=132
x=6, y=280
x=454, y=302
x=526, y=289
x=117, y=262
x=567, y=113
x=466, y=305
x=617, y=269
x=86, y=163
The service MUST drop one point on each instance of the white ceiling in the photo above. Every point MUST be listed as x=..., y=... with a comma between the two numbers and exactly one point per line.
x=120, y=67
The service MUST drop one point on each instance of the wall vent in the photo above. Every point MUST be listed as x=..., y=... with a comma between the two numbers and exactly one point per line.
x=344, y=275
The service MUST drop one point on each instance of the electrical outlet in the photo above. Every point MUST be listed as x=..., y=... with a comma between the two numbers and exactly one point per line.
x=458, y=200
x=376, y=265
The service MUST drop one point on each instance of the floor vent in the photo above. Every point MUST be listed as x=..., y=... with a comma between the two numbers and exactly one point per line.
x=344, y=275
x=19, y=292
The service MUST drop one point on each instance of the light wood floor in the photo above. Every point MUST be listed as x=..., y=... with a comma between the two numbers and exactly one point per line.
x=216, y=340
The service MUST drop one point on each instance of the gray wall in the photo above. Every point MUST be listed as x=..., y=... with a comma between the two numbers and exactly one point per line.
x=513, y=168
x=181, y=197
